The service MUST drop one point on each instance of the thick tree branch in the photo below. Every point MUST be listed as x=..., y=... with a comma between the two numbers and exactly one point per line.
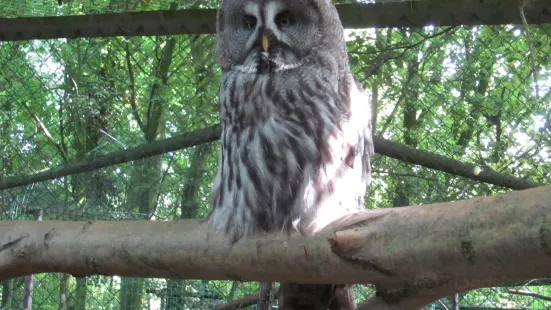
x=416, y=13
x=209, y=134
x=413, y=255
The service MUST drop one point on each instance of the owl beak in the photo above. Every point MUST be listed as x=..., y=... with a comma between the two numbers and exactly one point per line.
x=265, y=42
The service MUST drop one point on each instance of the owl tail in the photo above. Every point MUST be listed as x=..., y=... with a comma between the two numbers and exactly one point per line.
x=294, y=296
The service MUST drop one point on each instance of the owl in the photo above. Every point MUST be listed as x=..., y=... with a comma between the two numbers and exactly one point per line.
x=296, y=133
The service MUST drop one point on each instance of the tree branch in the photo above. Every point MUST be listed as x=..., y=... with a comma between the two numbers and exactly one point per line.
x=521, y=6
x=246, y=301
x=430, y=160
x=413, y=255
x=189, y=139
x=132, y=99
x=408, y=46
x=201, y=21
x=46, y=132
x=209, y=134
x=528, y=293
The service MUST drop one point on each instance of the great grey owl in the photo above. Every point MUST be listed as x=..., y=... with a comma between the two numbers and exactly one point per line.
x=296, y=132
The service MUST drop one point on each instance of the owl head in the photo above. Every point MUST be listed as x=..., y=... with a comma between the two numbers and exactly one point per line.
x=264, y=36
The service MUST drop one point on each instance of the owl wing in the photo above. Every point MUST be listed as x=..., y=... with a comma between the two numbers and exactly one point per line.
x=341, y=182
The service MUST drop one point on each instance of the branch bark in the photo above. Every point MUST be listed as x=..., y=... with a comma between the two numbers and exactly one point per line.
x=415, y=13
x=413, y=255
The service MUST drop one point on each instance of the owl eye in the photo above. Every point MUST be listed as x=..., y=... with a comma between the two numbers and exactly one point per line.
x=250, y=22
x=284, y=19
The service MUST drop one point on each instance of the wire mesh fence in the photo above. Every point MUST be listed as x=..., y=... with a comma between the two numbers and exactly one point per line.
x=475, y=94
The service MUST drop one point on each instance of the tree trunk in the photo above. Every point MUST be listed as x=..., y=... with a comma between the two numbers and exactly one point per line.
x=131, y=293
x=146, y=174
x=63, y=279
x=7, y=291
x=28, y=292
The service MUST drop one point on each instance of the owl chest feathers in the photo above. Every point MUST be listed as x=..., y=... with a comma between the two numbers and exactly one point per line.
x=289, y=156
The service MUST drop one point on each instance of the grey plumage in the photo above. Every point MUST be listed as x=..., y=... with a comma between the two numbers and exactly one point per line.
x=296, y=132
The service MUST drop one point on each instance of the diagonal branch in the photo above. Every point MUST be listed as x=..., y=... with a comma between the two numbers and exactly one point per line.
x=528, y=293
x=385, y=147
x=186, y=140
x=434, y=161
x=408, y=46
x=46, y=132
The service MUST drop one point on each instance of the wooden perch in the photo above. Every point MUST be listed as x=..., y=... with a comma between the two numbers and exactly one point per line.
x=413, y=255
x=407, y=13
